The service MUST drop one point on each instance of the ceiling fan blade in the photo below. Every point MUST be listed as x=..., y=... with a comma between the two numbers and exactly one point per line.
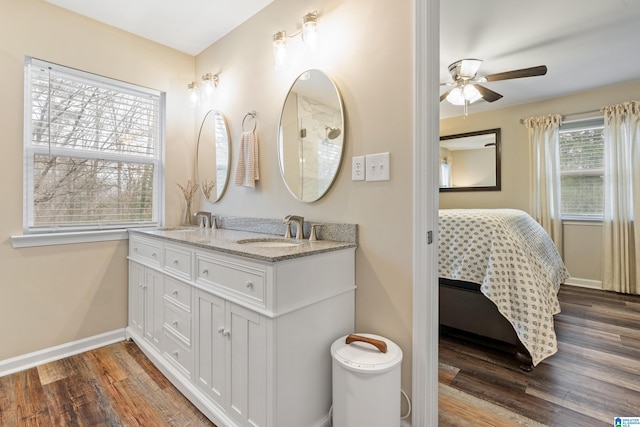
x=487, y=94
x=444, y=95
x=540, y=70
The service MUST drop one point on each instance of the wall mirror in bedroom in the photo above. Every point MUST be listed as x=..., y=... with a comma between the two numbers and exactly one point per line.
x=311, y=136
x=213, y=155
x=470, y=161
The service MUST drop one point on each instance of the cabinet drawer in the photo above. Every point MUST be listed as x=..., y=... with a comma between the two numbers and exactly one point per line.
x=144, y=250
x=177, y=260
x=243, y=280
x=178, y=293
x=178, y=355
x=178, y=322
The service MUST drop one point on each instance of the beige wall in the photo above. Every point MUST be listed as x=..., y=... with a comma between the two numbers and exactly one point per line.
x=368, y=52
x=53, y=295
x=583, y=242
x=57, y=294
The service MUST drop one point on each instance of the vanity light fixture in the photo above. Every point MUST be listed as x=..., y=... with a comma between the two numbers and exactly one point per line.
x=309, y=34
x=209, y=84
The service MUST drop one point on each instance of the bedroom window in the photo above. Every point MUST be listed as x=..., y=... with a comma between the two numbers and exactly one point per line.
x=93, y=150
x=582, y=169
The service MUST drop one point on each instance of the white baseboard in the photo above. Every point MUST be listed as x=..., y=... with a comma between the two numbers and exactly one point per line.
x=29, y=360
x=583, y=283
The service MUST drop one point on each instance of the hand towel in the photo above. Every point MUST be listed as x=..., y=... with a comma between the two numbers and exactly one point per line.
x=247, y=170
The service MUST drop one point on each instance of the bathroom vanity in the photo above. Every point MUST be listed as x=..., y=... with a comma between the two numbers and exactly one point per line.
x=243, y=329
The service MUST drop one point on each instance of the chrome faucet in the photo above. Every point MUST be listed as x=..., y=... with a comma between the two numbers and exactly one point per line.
x=205, y=220
x=299, y=221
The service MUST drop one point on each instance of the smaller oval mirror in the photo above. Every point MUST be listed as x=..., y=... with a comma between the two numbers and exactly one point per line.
x=311, y=136
x=470, y=161
x=213, y=155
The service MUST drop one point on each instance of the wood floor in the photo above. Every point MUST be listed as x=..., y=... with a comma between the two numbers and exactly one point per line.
x=594, y=377
x=110, y=386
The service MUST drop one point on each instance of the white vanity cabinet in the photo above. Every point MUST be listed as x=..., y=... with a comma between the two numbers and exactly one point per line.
x=247, y=341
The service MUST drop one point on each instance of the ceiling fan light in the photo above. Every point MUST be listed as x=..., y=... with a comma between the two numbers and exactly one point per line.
x=471, y=94
x=456, y=96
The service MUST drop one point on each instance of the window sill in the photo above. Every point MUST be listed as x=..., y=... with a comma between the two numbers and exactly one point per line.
x=50, y=239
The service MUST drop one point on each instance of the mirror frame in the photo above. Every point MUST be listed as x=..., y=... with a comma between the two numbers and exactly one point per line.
x=280, y=137
x=198, y=160
x=498, y=185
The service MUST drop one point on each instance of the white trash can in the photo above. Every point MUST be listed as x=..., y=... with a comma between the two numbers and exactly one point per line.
x=366, y=381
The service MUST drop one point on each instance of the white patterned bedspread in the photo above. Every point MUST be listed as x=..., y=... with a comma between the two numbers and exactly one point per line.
x=516, y=263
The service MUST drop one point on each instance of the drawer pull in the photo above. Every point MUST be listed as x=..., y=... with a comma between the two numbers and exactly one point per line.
x=205, y=272
x=154, y=255
x=175, y=293
x=135, y=249
x=175, y=323
x=175, y=354
x=248, y=285
x=175, y=262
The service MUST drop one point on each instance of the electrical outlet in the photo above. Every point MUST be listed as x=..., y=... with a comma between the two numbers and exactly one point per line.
x=357, y=168
x=377, y=166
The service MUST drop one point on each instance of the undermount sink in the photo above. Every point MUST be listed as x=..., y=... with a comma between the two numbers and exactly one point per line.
x=268, y=243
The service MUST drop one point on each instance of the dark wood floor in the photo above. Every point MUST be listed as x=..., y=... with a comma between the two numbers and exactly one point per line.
x=111, y=386
x=594, y=377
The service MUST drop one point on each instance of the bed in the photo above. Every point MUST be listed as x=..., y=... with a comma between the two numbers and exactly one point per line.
x=499, y=276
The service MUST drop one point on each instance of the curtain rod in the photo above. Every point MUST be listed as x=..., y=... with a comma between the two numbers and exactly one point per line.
x=564, y=116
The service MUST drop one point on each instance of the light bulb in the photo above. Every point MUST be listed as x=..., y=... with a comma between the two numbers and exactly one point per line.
x=471, y=94
x=194, y=97
x=456, y=96
x=310, y=30
x=209, y=83
x=279, y=49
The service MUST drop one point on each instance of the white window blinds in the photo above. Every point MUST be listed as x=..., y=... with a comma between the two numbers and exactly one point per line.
x=93, y=151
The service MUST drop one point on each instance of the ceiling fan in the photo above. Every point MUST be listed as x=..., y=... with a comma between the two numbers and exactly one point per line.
x=467, y=89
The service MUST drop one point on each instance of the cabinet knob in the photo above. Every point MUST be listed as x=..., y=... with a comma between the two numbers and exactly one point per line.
x=205, y=272
x=153, y=255
x=223, y=331
x=175, y=293
x=220, y=329
x=175, y=262
x=175, y=354
x=135, y=249
x=248, y=285
x=175, y=323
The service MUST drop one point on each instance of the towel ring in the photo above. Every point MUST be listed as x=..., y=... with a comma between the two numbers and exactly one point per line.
x=251, y=114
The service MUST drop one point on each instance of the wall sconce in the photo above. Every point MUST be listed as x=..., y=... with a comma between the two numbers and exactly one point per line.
x=309, y=34
x=209, y=84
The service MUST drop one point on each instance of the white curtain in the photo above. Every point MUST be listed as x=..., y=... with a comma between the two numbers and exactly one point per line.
x=622, y=197
x=545, y=173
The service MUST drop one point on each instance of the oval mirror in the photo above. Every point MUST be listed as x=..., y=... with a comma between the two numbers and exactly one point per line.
x=311, y=136
x=213, y=155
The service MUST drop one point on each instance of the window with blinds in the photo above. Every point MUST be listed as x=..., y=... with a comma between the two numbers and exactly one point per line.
x=582, y=169
x=93, y=151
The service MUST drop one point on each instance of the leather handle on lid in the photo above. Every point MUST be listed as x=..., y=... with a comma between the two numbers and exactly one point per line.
x=379, y=344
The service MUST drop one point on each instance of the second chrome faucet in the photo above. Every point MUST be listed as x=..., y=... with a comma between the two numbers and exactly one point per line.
x=299, y=222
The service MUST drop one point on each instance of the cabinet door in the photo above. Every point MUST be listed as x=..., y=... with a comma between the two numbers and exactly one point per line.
x=247, y=358
x=211, y=333
x=152, y=300
x=136, y=297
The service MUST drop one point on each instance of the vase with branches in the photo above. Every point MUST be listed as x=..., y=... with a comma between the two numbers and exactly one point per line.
x=188, y=191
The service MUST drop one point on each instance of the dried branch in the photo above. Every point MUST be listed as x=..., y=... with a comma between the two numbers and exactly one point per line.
x=188, y=190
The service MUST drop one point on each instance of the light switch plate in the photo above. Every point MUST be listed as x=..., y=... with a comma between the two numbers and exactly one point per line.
x=377, y=167
x=357, y=168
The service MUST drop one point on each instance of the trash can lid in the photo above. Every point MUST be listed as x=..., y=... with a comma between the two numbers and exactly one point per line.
x=365, y=355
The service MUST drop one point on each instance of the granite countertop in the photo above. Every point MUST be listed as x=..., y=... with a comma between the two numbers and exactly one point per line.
x=226, y=241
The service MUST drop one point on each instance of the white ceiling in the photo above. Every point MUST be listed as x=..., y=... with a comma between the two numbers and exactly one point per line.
x=189, y=26
x=584, y=43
